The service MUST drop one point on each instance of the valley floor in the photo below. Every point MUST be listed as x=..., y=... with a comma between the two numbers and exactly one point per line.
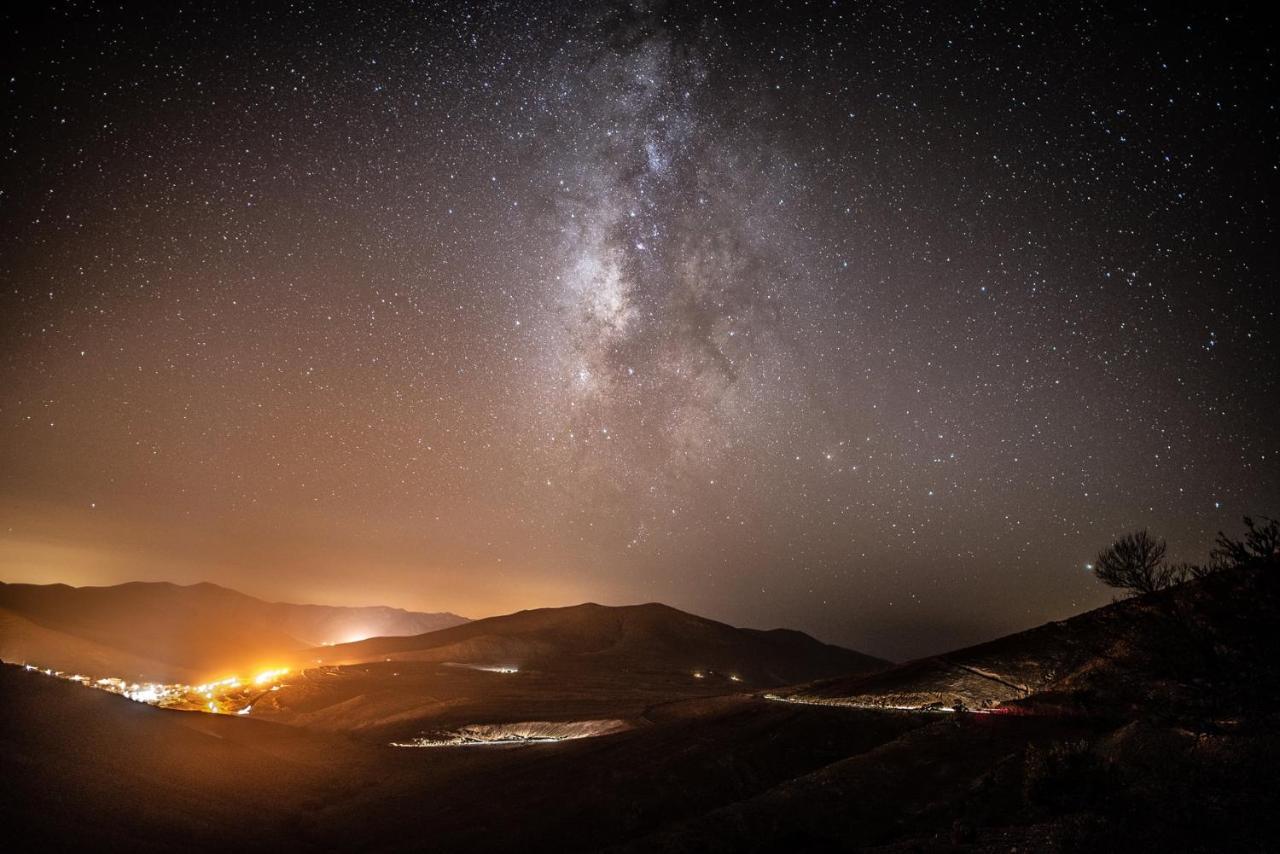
x=724, y=773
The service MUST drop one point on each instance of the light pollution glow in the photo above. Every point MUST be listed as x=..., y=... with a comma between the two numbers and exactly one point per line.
x=226, y=695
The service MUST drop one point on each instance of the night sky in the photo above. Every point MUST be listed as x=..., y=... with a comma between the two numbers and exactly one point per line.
x=870, y=321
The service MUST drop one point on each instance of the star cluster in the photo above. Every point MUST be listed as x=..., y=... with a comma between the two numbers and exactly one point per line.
x=874, y=321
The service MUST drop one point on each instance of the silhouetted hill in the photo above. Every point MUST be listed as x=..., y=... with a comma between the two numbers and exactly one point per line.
x=1112, y=660
x=89, y=770
x=990, y=673
x=637, y=638
x=168, y=632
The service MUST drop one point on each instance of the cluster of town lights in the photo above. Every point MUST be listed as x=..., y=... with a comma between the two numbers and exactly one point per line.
x=224, y=695
x=851, y=703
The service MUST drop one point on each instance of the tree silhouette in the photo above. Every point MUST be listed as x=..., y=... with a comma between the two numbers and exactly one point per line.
x=1135, y=562
x=1260, y=547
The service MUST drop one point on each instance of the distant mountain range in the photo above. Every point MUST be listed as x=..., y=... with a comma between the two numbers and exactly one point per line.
x=173, y=633
x=169, y=632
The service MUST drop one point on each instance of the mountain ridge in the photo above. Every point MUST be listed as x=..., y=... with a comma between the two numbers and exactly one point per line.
x=161, y=631
x=642, y=636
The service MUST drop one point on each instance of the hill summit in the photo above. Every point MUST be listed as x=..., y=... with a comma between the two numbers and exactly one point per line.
x=649, y=637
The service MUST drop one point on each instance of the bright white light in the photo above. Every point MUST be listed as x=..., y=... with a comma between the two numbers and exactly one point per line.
x=149, y=694
x=269, y=676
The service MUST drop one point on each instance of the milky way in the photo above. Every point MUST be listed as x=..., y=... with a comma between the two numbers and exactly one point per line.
x=875, y=322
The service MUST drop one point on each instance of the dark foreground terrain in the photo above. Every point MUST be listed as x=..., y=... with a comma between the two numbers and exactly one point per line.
x=1145, y=726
